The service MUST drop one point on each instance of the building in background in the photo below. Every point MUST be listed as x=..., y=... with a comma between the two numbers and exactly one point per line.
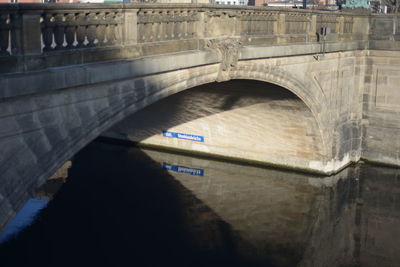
x=174, y=1
x=232, y=2
x=311, y=4
x=38, y=1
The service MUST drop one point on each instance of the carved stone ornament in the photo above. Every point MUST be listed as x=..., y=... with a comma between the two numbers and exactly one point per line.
x=228, y=53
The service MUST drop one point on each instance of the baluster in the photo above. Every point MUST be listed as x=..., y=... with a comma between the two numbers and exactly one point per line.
x=184, y=24
x=257, y=24
x=245, y=23
x=112, y=34
x=152, y=31
x=149, y=32
x=179, y=27
x=118, y=29
x=59, y=31
x=167, y=31
x=249, y=25
x=110, y=29
x=170, y=26
x=16, y=40
x=177, y=24
x=70, y=30
x=141, y=32
x=81, y=29
x=156, y=30
x=261, y=23
x=4, y=34
x=47, y=31
x=265, y=24
x=173, y=25
x=159, y=27
x=175, y=28
x=165, y=25
x=144, y=34
x=101, y=29
x=287, y=25
x=191, y=26
x=150, y=36
x=272, y=24
x=91, y=29
x=141, y=27
x=107, y=22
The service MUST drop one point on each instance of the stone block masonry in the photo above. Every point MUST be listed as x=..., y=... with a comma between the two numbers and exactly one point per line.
x=70, y=72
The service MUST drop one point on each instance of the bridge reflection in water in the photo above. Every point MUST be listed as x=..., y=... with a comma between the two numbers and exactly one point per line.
x=124, y=206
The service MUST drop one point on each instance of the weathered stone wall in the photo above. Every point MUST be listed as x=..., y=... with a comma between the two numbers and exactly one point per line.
x=381, y=112
x=328, y=86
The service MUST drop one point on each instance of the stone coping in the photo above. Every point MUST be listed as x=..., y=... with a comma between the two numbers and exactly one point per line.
x=93, y=6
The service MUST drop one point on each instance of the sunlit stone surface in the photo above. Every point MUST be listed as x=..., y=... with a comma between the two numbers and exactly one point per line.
x=245, y=120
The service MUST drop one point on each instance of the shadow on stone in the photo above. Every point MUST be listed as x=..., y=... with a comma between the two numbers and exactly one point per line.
x=121, y=212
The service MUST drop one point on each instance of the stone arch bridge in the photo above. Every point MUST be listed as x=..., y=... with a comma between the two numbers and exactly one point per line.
x=70, y=72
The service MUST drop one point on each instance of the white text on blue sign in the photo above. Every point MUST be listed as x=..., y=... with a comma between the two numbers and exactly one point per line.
x=183, y=169
x=190, y=137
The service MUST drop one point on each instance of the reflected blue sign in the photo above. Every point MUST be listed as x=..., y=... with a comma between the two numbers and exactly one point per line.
x=25, y=216
x=190, y=137
x=183, y=169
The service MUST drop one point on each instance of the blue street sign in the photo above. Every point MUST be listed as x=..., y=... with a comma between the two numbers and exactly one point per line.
x=190, y=137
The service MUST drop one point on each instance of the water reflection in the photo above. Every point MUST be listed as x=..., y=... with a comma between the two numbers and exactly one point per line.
x=124, y=206
x=21, y=201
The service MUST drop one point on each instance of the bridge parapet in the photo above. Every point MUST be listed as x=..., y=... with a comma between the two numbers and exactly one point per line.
x=37, y=36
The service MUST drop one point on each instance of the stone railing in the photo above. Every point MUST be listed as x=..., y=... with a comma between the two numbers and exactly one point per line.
x=36, y=36
x=156, y=25
x=258, y=22
x=71, y=30
x=385, y=32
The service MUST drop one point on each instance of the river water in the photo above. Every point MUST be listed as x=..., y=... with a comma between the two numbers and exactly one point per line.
x=122, y=206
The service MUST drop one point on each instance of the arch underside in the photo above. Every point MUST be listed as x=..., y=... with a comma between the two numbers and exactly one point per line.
x=240, y=119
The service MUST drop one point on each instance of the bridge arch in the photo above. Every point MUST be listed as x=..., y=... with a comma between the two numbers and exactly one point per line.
x=71, y=118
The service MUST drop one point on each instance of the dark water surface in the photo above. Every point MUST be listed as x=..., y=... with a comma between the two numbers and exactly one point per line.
x=122, y=206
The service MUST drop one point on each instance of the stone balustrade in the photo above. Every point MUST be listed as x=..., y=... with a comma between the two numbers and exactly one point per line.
x=36, y=36
x=167, y=24
x=83, y=29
